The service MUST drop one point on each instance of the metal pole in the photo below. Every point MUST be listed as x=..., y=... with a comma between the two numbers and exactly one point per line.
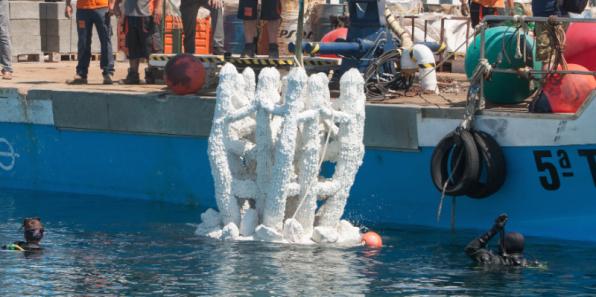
x=412, y=20
x=482, y=43
x=299, y=33
x=500, y=70
x=498, y=18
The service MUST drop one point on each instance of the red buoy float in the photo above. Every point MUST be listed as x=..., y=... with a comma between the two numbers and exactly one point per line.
x=372, y=239
x=566, y=93
x=334, y=36
x=184, y=74
x=580, y=45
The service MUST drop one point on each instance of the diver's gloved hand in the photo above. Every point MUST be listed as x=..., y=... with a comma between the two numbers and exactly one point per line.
x=500, y=222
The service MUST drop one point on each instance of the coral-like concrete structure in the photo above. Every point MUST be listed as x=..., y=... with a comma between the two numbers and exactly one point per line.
x=265, y=156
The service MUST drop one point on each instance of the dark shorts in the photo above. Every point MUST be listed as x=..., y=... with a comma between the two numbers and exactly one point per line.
x=270, y=10
x=478, y=12
x=142, y=37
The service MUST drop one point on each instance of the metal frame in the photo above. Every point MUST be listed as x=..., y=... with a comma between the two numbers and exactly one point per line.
x=442, y=28
x=521, y=19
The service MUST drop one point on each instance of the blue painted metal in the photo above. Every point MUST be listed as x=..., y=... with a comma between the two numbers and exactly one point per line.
x=368, y=37
x=391, y=187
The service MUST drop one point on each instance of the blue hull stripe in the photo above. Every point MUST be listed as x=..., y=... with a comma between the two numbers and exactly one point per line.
x=391, y=187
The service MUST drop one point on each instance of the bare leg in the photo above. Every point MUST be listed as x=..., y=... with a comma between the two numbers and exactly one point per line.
x=250, y=30
x=273, y=30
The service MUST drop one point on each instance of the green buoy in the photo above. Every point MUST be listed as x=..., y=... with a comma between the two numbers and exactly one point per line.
x=500, y=49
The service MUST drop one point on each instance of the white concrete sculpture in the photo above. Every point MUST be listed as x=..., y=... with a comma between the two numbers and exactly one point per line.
x=351, y=148
x=266, y=155
x=220, y=168
x=308, y=164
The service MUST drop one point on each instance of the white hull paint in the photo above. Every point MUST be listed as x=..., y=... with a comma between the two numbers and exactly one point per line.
x=521, y=129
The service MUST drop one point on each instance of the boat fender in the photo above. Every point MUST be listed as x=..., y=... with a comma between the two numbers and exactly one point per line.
x=492, y=162
x=458, y=144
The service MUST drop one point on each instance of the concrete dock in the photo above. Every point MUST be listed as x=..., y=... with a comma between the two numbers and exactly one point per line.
x=53, y=76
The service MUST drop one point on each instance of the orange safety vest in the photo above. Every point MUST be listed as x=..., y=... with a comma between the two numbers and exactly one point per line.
x=491, y=3
x=91, y=4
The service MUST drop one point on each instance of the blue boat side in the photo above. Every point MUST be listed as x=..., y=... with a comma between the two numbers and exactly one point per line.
x=152, y=147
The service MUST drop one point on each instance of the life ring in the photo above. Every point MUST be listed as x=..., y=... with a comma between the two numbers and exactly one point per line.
x=492, y=162
x=455, y=161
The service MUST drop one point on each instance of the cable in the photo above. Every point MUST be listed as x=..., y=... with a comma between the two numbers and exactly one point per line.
x=384, y=75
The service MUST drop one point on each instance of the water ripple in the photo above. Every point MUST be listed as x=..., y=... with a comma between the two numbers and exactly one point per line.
x=134, y=248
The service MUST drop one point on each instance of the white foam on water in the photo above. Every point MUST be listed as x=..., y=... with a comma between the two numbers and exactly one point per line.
x=266, y=148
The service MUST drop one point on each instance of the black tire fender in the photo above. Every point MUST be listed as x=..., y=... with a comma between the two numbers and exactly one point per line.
x=457, y=142
x=492, y=162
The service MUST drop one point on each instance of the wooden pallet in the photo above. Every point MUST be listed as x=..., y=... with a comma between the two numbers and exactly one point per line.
x=455, y=64
x=35, y=57
x=58, y=57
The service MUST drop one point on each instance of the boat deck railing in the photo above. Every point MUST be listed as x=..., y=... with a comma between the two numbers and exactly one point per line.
x=519, y=21
x=443, y=19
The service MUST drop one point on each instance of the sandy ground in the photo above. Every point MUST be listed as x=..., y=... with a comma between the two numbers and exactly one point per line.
x=53, y=76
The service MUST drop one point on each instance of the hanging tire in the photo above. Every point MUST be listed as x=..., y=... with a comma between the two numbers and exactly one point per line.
x=492, y=165
x=456, y=162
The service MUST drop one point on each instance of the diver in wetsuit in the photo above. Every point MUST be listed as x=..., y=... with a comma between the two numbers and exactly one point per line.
x=33, y=233
x=510, y=249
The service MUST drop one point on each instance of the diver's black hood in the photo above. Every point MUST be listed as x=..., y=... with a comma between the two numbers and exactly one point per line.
x=514, y=243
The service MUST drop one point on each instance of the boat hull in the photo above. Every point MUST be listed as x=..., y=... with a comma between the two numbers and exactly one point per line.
x=137, y=147
x=392, y=187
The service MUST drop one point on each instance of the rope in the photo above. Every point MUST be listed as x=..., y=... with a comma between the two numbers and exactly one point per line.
x=482, y=71
x=557, y=38
x=299, y=32
x=453, y=214
x=440, y=207
x=321, y=159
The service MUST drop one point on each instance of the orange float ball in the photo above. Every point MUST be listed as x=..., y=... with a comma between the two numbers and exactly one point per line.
x=567, y=93
x=184, y=74
x=372, y=240
x=334, y=36
x=580, y=45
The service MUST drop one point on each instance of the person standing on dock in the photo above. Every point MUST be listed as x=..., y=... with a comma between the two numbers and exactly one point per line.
x=545, y=43
x=477, y=9
x=142, y=20
x=189, y=10
x=270, y=12
x=5, y=53
x=89, y=13
x=510, y=250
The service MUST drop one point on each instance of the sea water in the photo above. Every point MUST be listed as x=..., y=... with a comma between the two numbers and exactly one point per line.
x=110, y=246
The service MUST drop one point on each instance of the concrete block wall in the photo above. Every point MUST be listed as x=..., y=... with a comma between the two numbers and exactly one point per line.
x=25, y=27
x=55, y=35
x=38, y=27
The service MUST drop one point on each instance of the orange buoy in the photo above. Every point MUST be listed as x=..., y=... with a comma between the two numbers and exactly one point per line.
x=566, y=93
x=184, y=74
x=580, y=45
x=334, y=36
x=372, y=239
